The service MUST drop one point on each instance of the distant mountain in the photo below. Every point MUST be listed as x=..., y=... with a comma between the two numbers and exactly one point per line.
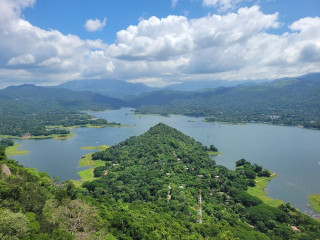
x=28, y=109
x=293, y=101
x=45, y=98
x=112, y=88
x=198, y=85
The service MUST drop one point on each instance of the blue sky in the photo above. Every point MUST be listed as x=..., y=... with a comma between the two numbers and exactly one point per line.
x=69, y=18
x=157, y=42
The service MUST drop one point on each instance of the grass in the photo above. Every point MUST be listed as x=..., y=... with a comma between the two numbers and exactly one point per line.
x=86, y=161
x=211, y=153
x=258, y=191
x=314, y=200
x=100, y=148
x=54, y=136
x=87, y=126
x=13, y=150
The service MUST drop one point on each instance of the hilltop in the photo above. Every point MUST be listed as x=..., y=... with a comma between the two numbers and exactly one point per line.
x=156, y=178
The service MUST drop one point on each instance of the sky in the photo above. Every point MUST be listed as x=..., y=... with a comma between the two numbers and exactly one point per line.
x=157, y=42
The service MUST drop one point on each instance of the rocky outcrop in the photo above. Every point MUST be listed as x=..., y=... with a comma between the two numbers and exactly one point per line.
x=5, y=170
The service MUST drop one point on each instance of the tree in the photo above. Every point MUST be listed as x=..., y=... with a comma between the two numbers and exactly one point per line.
x=241, y=162
x=13, y=226
x=213, y=148
x=264, y=173
x=75, y=217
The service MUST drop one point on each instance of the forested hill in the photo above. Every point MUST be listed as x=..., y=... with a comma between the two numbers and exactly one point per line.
x=151, y=184
x=289, y=101
x=114, y=88
x=27, y=109
x=26, y=97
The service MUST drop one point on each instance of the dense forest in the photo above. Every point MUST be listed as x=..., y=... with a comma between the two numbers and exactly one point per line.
x=289, y=102
x=148, y=189
x=28, y=110
x=157, y=177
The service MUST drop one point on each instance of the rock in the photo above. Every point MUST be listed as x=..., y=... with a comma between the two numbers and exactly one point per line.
x=5, y=170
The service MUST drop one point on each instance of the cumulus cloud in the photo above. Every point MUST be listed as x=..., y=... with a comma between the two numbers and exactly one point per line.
x=22, y=60
x=95, y=25
x=153, y=39
x=222, y=5
x=159, y=51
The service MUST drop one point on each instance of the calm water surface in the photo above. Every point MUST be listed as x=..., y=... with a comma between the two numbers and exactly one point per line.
x=291, y=152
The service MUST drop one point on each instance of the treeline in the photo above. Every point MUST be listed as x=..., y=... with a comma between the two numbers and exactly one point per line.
x=287, y=102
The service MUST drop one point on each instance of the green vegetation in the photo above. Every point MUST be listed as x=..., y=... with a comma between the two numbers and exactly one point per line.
x=33, y=207
x=258, y=191
x=314, y=200
x=284, y=102
x=147, y=188
x=86, y=161
x=38, y=112
x=211, y=153
x=13, y=150
x=100, y=148
x=156, y=178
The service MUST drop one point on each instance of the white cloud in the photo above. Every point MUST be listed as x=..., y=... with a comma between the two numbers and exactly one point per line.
x=153, y=39
x=95, y=25
x=156, y=51
x=174, y=3
x=22, y=60
x=222, y=5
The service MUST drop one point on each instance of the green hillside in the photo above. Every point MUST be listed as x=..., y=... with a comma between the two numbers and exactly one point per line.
x=148, y=189
x=152, y=183
x=289, y=102
x=28, y=109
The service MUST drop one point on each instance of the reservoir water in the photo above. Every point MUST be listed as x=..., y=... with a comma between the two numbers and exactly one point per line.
x=293, y=153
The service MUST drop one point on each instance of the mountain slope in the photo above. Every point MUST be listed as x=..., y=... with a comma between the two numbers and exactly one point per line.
x=26, y=109
x=55, y=98
x=113, y=88
x=289, y=101
x=198, y=85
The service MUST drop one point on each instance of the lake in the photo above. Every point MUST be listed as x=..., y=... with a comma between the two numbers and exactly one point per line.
x=293, y=153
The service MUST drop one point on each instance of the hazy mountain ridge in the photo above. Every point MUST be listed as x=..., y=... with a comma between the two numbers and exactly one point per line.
x=56, y=97
x=290, y=101
x=113, y=88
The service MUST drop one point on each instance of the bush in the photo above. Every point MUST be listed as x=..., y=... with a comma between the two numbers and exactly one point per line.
x=247, y=200
x=264, y=173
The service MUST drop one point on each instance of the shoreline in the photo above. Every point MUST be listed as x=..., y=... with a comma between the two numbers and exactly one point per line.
x=63, y=136
x=314, y=200
x=259, y=190
x=13, y=150
x=86, y=161
x=211, y=153
x=221, y=122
